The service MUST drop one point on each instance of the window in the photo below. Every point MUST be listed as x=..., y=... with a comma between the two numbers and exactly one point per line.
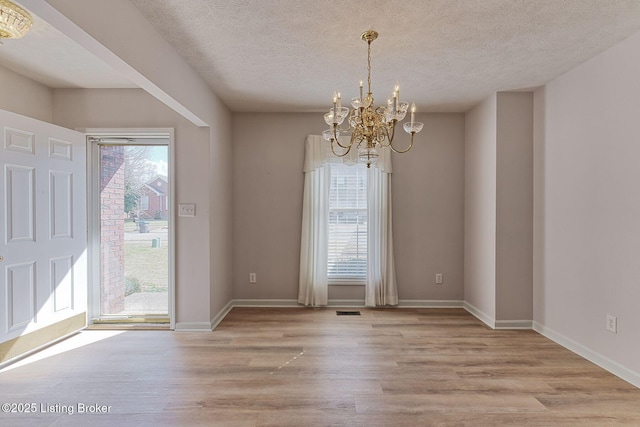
x=347, y=260
x=144, y=203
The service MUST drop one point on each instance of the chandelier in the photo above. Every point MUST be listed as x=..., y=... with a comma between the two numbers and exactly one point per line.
x=15, y=22
x=371, y=127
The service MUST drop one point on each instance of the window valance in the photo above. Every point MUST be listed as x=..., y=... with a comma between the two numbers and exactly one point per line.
x=318, y=153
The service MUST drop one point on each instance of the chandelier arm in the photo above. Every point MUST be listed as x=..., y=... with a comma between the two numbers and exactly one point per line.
x=334, y=151
x=406, y=149
x=393, y=131
x=335, y=136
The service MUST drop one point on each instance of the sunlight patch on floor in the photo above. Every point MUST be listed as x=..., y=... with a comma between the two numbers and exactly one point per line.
x=81, y=339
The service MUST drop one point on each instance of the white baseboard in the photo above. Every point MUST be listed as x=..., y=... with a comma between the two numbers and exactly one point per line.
x=592, y=356
x=294, y=303
x=264, y=303
x=513, y=324
x=480, y=315
x=411, y=303
x=221, y=315
x=496, y=324
x=193, y=327
x=346, y=303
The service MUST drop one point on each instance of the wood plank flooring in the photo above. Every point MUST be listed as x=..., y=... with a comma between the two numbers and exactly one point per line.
x=309, y=367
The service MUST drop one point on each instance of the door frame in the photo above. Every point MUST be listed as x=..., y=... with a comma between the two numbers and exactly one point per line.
x=93, y=210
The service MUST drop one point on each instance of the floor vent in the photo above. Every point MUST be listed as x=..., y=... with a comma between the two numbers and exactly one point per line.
x=348, y=313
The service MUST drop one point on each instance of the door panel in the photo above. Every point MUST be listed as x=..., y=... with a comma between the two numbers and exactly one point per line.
x=20, y=295
x=19, y=198
x=43, y=273
x=61, y=204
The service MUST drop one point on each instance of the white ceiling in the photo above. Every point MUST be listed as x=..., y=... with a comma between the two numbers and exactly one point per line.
x=291, y=55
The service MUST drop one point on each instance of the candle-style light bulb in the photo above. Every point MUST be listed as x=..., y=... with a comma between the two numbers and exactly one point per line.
x=335, y=101
x=395, y=101
x=339, y=101
x=413, y=113
x=360, y=90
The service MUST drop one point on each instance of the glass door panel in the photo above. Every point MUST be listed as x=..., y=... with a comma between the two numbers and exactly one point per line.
x=134, y=231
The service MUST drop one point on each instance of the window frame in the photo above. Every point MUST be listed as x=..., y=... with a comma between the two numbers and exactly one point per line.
x=346, y=280
x=144, y=198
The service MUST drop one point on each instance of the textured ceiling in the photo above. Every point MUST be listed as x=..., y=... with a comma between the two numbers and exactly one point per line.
x=290, y=55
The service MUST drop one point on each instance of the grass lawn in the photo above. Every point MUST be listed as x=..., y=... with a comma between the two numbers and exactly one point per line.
x=146, y=265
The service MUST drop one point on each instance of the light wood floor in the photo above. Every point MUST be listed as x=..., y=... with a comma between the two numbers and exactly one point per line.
x=306, y=367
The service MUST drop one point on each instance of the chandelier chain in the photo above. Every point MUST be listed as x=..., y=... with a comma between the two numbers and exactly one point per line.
x=369, y=66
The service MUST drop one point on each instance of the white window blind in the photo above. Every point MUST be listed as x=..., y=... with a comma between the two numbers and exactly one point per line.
x=144, y=203
x=347, y=261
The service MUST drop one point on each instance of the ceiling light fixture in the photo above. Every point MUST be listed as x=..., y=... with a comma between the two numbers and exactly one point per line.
x=370, y=126
x=15, y=22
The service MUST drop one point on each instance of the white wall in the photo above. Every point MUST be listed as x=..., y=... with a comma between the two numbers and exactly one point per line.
x=428, y=198
x=480, y=208
x=24, y=96
x=134, y=108
x=590, y=200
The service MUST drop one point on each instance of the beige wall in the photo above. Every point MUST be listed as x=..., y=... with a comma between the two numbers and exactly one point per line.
x=514, y=206
x=136, y=50
x=219, y=189
x=122, y=108
x=268, y=151
x=428, y=197
x=590, y=218
x=24, y=96
x=499, y=209
x=203, y=155
x=480, y=208
x=428, y=210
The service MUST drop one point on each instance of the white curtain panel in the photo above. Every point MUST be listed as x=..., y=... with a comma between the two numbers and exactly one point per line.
x=314, y=246
x=381, y=279
x=381, y=286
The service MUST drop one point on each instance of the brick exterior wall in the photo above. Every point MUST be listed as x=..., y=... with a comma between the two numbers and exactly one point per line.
x=112, y=228
x=157, y=202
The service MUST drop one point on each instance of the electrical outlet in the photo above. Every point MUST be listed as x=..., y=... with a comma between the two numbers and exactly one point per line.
x=187, y=209
x=252, y=278
x=612, y=324
x=439, y=280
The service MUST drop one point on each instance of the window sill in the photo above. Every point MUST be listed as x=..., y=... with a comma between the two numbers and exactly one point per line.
x=346, y=283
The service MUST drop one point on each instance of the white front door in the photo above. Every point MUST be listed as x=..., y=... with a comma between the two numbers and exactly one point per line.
x=43, y=242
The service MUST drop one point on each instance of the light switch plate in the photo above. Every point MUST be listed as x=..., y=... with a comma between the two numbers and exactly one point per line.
x=187, y=209
x=612, y=324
